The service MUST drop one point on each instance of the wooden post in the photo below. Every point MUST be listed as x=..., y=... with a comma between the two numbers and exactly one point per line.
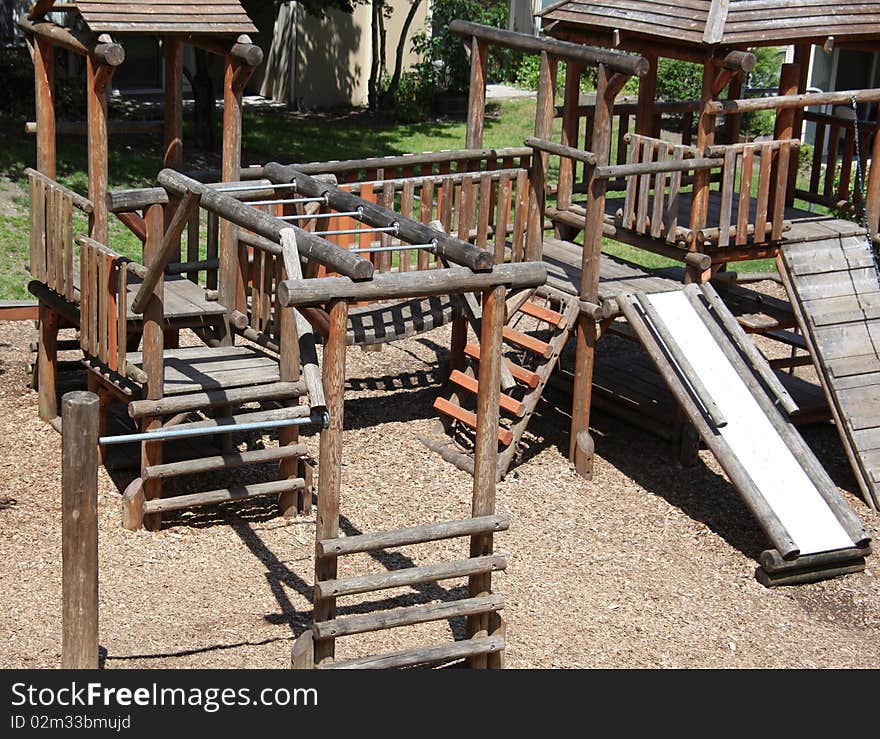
x=647, y=97
x=544, y=113
x=44, y=77
x=172, y=49
x=330, y=465
x=702, y=178
x=486, y=450
x=872, y=194
x=153, y=343
x=581, y=445
x=733, y=121
x=802, y=54
x=292, y=502
x=233, y=256
x=47, y=363
x=79, y=531
x=97, y=79
x=789, y=82
x=477, y=96
x=570, y=123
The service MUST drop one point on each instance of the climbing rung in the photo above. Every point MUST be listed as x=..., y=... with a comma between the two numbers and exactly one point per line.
x=406, y=616
x=426, y=655
x=441, y=405
x=543, y=314
x=223, y=461
x=237, y=492
x=412, y=535
x=511, y=405
x=410, y=576
x=520, y=374
x=529, y=343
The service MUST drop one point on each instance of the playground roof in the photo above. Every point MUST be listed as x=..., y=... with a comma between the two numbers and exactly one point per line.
x=204, y=17
x=737, y=23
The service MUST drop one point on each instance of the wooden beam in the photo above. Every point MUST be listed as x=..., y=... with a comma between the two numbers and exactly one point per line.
x=44, y=78
x=97, y=77
x=477, y=95
x=79, y=42
x=544, y=113
x=647, y=98
x=172, y=50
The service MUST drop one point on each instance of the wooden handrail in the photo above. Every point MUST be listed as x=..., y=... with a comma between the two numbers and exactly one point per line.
x=616, y=61
x=412, y=160
x=551, y=147
x=83, y=204
x=642, y=168
x=170, y=242
x=781, y=102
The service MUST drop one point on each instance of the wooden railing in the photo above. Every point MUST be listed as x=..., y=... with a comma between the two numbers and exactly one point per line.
x=52, y=255
x=832, y=173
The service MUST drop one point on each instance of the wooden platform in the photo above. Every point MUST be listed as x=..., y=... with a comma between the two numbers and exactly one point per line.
x=835, y=290
x=192, y=369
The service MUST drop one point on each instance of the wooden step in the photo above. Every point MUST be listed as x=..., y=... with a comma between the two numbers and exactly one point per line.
x=424, y=656
x=223, y=461
x=543, y=314
x=511, y=405
x=447, y=408
x=412, y=535
x=520, y=374
x=236, y=492
x=409, y=576
x=406, y=616
x=529, y=343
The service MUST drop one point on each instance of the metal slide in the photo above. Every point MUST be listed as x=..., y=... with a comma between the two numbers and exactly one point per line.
x=834, y=289
x=730, y=394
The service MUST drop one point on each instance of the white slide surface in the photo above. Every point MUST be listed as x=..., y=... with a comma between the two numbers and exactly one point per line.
x=774, y=469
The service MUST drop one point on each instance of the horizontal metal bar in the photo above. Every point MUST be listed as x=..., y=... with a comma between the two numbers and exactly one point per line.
x=323, y=420
x=383, y=229
x=307, y=217
x=399, y=247
x=286, y=201
x=268, y=186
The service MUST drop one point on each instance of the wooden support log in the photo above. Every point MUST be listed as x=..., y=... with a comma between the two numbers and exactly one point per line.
x=738, y=61
x=551, y=147
x=802, y=577
x=241, y=50
x=641, y=168
x=79, y=42
x=215, y=399
x=616, y=61
x=314, y=247
x=115, y=128
x=170, y=242
x=223, y=495
x=378, y=216
x=407, y=616
x=79, y=531
x=782, y=102
x=302, y=654
x=412, y=535
x=409, y=576
x=426, y=655
x=409, y=284
x=223, y=462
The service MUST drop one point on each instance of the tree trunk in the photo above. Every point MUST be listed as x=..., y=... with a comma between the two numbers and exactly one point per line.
x=389, y=96
x=373, y=84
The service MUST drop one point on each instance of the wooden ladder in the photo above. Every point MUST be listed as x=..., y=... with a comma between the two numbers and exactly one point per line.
x=484, y=645
x=535, y=360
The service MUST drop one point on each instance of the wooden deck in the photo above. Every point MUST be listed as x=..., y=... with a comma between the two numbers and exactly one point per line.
x=836, y=293
x=197, y=368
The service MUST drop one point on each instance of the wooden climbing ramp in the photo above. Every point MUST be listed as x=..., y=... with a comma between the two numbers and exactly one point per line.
x=834, y=288
x=731, y=396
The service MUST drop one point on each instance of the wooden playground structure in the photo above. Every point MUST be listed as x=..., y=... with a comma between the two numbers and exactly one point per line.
x=271, y=265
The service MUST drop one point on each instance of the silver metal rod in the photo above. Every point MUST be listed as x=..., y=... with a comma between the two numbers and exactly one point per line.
x=399, y=247
x=251, y=188
x=286, y=201
x=307, y=217
x=227, y=428
x=384, y=229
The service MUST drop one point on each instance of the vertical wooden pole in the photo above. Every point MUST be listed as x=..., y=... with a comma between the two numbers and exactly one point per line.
x=702, y=178
x=647, y=98
x=97, y=79
x=289, y=503
x=733, y=123
x=153, y=341
x=872, y=190
x=47, y=363
x=581, y=444
x=544, y=113
x=330, y=465
x=789, y=82
x=477, y=94
x=172, y=50
x=486, y=449
x=802, y=54
x=233, y=257
x=44, y=77
x=570, y=124
x=79, y=531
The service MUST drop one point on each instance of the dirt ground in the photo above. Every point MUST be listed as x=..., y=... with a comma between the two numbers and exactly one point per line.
x=648, y=565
